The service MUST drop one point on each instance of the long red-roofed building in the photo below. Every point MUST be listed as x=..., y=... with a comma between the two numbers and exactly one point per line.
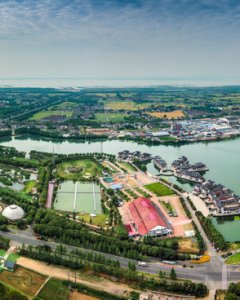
x=145, y=219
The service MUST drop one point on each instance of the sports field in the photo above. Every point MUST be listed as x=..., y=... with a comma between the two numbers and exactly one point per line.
x=78, y=197
x=24, y=280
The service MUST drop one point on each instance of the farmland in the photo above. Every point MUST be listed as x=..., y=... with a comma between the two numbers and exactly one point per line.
x=126, y=105
x=24, y=280
x=54, y=290
x=49, y=113
x=176, y=114
x=110, y=117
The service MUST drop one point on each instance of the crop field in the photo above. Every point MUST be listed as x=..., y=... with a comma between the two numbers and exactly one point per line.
x=159, y=189
x=126, y=105
x=48, y=113
x=101, y=117
x=55, y=290
x=176, y=114
x=23, y=280
x=110, y=117
x=78, y=169
x=116, y=118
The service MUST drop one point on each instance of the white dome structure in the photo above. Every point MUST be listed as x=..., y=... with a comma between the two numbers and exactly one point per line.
x=13, y=212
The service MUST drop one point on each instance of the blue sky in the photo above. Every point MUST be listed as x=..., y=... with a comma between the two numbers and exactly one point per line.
x=186, y=39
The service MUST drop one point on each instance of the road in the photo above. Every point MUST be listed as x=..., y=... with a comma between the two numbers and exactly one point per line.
x=210, y=273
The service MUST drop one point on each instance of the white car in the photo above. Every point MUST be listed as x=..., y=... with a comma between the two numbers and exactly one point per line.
x=142, y=264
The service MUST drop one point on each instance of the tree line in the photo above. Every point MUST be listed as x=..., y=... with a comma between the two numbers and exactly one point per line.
x=47, y=223
x=213, y=234
x=139, y=280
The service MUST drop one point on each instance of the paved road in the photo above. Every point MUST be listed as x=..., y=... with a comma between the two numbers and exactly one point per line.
x=211, y=276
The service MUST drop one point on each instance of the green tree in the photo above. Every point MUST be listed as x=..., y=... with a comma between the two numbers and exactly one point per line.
x=173, y=275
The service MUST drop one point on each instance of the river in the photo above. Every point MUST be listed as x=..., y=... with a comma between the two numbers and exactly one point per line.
x=222, y=158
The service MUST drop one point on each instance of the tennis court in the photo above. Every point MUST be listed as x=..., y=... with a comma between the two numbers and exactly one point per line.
x=78, y=197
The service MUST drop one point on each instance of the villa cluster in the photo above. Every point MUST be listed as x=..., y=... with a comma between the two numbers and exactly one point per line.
x=219, y=199
x=136, y=155
x=184, y=170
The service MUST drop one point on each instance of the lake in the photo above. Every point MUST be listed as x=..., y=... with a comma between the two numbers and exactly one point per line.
x=221, y=157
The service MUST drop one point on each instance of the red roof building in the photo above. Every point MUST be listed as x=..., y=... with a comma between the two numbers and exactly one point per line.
x=146, y=219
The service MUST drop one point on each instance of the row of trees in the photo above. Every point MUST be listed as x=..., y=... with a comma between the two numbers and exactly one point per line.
x=213, y=234
x=47, y=223
x=124, y=275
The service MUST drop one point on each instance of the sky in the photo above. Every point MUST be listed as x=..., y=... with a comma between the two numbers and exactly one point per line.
x=146, y=39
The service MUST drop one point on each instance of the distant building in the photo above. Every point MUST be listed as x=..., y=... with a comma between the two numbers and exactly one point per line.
x=146, y=219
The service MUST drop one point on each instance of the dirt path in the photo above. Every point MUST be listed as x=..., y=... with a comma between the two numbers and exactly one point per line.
x=64, y=274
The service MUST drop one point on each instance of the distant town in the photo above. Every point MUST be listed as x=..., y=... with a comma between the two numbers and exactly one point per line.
x=151, y=116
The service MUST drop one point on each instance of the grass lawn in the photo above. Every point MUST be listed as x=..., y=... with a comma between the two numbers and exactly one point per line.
x=78, y=169
x=29, y=185
x=54, y=289
x=234, y=259
x=24, y=280
x=127, y=167
x=159, y=189
x=99, y=220
x=13, y=257
x=2, y=252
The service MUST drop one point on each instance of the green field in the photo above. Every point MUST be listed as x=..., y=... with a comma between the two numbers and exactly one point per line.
x=159, y=189
x=13, y=257
x=234, y=259
x=99, y=220
x=54, y=289
x=2, y=252
x=101, y=117
x=112, y=117
x=127, y=167
x=48, y=113
x=29, y=185
x=79, y=169
x=117, y=118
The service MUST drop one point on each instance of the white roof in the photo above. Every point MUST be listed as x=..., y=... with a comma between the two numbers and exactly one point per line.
x=13, y=212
